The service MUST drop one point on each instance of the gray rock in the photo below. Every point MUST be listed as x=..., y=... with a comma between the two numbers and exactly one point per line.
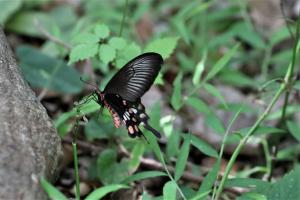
x=30, y=146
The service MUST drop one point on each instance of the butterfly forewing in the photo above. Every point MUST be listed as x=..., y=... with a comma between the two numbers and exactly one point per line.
x=136, y=77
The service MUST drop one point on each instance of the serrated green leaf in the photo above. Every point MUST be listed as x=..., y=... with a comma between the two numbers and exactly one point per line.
x=129, y=52
x=294, y=129
x=163, y=46
x=7, y=9
x=107, y=53
x=199, y=70
x=83, y=51
x=102, y=31
x=169, y=191
x=176, y=95
x=85, y=38
x=117, y=42
x=221, y=63
x=203, y=146
x=101, y=192
x=215, y=92
x=52, y=191
x=209, y=180
x=42, y=71
x=182, y=158
x=143, y=175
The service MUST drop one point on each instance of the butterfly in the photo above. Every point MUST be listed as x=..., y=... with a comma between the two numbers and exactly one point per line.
x=122, y=94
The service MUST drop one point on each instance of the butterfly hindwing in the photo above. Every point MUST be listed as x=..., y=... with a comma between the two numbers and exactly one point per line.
x=136, y=77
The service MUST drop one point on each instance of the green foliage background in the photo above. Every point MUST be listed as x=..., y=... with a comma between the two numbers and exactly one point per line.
x=204, y=46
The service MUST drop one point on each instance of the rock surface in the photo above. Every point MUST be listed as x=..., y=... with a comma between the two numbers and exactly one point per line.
x=30, y=146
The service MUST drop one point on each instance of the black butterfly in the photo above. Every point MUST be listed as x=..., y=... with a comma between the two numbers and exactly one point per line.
x=122, y=95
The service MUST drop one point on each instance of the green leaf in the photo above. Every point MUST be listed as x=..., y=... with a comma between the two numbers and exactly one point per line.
x=101, y=192
x=221, y=63
x=179, y=24
x=85, y=109
x=52, y=191
x=42, y=71
x=137, y=153
x=85, y=38
x=159, y=79
x=236, y=78
x=288, y=188
x=117, y=42
x=251, y=183
x=182, y=158
x=215, y=92
x=203, y=146
x=26, y=23
x=64, y=15
x=163, y=46
x=209, y=180
x=8, y=8
x=97, y=130
x=198, y=105
x=173, y=144
x=176, y=95
x=199, y=70
x=129, y=52
x=280, y=35
x=169, y=191
x=243, y=31
x=252, y=196
x=155, y=147
x=143, y=175
x=215, y=123
x=102, y=31
x=83, y=51
x=107, y=53
x=294, y=129
x=107, y=166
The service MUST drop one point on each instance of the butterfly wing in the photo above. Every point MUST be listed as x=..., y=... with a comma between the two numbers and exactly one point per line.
x=136, y=77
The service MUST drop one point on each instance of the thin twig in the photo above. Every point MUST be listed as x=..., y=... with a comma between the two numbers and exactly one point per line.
x=51, y=37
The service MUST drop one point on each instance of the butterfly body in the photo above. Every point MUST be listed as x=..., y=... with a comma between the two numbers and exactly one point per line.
x=122, y=95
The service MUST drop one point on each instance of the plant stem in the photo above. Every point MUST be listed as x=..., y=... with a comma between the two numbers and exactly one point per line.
x=284, y=85
x=244, y=140
x=75, y=156
x=77, y=192
x=290, y=72
x=123, y=18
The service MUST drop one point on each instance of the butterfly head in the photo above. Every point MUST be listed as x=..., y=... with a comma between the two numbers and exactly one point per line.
x=100, y=97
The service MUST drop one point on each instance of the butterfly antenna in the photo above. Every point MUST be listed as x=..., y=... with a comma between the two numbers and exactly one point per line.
x=155, y=132
x=145, y=138
x=88, y=83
